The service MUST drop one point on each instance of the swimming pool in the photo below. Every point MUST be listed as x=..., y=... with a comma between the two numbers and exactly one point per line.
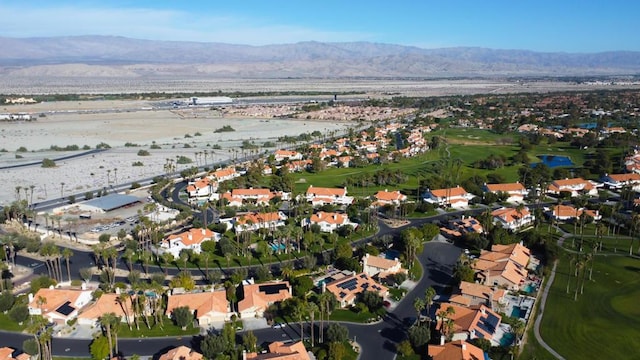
x=507, y=339
x=530, y=288
x=516, y=312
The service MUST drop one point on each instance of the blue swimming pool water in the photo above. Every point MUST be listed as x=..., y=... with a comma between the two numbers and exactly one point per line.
x=516, y=312
x=554, y=161
x=530, y=288
x=507, y=339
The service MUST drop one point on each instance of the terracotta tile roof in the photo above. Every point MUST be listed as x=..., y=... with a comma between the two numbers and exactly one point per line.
x=625, y=177
x=223, y=173
x=450, y=192
x=285, y=153
x=329, y=217
x=202, y=303
x=259, y=297
x=202, y=183
x=475, y=290
x=511, y=187
x=5, y=353
x=281, y=351
x=559, y=185
x=54, y=298
x=259, y=218
x=193, y=236
x=107, y=303
x=572, y=212
x=250, y=193
x=360, y=283
x=390, y=195
x=468, y=319
x=322, y=191
x=181, y=353
x=517, y=252
x=456, y=350
x=381, y=263
x=510, y=215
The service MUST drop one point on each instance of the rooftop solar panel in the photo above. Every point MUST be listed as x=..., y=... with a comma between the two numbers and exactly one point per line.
x=273, y=288
x=492, y=320
x=342, y=294
x=65, y=309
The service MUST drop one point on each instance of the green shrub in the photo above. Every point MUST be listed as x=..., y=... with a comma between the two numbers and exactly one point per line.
x=48, y=163
x=143, y=153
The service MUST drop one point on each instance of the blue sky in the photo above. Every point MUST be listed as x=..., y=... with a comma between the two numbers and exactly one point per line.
x=542, y=25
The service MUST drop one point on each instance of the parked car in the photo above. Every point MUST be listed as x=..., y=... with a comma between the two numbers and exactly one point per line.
x=279, y=325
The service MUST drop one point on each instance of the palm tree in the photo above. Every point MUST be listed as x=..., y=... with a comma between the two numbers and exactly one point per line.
x=122, y=300
x=312, y=308
x=108, y=321
x=429, y=294
x=67, y=254
x=418, y=304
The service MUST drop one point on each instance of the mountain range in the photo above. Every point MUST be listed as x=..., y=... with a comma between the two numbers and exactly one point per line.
x=121, y=57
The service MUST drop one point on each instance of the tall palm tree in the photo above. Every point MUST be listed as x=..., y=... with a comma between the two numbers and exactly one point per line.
x=312, y=308
x=67, y=254
x=429, y=294
x=108, y=321
x=123, y=300
x=418, y=304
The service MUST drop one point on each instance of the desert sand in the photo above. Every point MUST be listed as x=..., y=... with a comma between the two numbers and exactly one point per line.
x=117, y=123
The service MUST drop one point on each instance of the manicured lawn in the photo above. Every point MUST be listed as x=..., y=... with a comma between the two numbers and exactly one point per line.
x=10, y=325
x=397, y=293
x=168, y=329
x=605, y=321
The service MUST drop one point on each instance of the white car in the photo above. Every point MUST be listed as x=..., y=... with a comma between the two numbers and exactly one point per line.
x=279, y=325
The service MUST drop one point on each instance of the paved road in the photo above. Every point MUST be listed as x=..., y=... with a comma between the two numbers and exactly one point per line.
x=377, y=340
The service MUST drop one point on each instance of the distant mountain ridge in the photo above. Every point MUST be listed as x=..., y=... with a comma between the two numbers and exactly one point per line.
x=111, y=56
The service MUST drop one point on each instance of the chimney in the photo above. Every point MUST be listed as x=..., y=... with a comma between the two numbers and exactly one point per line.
x=464, y=346
x=442, y=340
x=190, y=236
x=203, y=231
x=30, y=298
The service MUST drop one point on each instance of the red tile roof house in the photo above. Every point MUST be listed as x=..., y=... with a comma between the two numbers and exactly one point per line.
x=181, y=353
x=254, y=221
x=516, y=191
x=576, y=187
x=460, y=227
x=208, y=307
x=280, y=155
x=473, y=294
x=58, y=305
x=456, y=197
x=566, y=213
x=202, y=188
x=504, y=265
x=281, y=351
x=455, y=350
x=378, y=266
x=106, y=303
x=389, y=197
x=225, y=174
x=191, y=239
x=256, y=298
x=7, y=353
x=618, y=181
x=348, y=288
x=469, y=323
x=513, y=219
x=330, y=221
x=319, y=196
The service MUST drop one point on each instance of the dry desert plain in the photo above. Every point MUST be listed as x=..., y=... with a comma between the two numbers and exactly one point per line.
x=117, y=123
